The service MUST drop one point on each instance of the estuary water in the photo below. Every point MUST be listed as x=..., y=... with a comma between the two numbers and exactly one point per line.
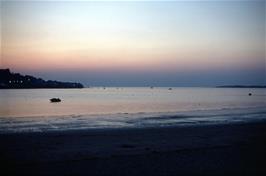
x=116, y=107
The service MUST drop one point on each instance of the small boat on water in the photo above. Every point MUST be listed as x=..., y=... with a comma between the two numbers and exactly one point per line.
x=55, y=100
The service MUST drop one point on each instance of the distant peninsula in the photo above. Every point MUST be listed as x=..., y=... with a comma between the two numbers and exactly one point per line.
x=9, y=80
x=241, y=86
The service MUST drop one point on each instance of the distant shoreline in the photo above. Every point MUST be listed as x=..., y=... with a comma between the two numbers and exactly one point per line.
x=10, y=80
x=121, y=87
x=240, y=86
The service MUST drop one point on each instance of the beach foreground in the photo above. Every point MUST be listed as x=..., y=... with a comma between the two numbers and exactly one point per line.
x=203, y=150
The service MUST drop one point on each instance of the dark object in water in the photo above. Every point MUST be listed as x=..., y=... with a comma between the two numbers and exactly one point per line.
x=55, y=100
x=170, y=89
x=249, y=94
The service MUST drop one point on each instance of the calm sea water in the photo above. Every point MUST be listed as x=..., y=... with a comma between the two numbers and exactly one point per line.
x=31, y=110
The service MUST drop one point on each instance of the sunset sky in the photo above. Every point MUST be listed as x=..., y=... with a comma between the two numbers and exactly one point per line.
x=136, y=43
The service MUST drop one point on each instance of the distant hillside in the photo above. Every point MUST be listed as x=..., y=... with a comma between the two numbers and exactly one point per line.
x=10, y=80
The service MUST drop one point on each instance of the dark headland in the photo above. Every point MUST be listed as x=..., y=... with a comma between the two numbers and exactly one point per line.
x=9, y=80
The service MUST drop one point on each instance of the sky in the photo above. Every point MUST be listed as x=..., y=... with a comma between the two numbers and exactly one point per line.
x=152, y=43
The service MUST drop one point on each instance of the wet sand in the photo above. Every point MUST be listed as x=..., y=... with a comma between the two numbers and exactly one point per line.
x=191, y=150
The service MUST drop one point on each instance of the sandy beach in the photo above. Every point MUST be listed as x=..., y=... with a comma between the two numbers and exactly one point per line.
x=197, y=150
